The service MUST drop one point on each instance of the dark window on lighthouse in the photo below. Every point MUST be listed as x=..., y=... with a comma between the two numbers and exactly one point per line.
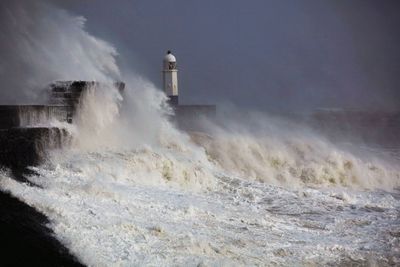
x=171, y=65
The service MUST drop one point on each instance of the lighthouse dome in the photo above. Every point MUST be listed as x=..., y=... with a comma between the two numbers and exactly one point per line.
x=169, y=57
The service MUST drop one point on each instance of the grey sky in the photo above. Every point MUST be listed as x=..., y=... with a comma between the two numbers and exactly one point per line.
x=262, y=54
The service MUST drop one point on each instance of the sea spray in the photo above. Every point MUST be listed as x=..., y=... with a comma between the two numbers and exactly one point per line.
x=140, y=137
x=134, y=190
x=95, y=115
x=277, y=151
x=42, y=43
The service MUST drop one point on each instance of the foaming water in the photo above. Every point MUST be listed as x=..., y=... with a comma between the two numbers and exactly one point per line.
x=127, y=209
x=297, y=160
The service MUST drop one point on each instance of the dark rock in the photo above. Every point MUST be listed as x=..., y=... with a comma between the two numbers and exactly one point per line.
x=25, y=238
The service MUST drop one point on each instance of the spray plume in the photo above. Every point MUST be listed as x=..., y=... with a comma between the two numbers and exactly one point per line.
x=42, y=43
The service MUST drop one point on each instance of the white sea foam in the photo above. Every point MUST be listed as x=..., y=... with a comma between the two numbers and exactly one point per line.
x=108, y=212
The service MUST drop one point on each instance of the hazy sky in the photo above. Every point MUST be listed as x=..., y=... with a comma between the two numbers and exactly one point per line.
x=262, y=54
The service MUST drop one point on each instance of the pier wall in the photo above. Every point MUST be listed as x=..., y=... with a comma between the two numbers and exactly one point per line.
x=27, y=132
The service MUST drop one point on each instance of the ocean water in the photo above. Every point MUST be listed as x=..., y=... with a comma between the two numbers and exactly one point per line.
x=277, y=195
x=107, y=212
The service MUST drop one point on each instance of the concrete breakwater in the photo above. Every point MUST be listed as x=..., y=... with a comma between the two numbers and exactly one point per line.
x=32, y=115
x=27, y=132
x=28, y=146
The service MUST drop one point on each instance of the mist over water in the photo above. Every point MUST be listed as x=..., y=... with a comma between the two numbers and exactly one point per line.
x=133, y=189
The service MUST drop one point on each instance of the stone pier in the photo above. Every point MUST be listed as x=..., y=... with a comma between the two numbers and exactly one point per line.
x=26, y=131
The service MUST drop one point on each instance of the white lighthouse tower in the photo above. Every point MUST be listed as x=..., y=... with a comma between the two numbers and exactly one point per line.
x=170, y=77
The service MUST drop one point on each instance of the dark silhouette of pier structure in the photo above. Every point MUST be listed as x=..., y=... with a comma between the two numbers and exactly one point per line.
x=25, y=132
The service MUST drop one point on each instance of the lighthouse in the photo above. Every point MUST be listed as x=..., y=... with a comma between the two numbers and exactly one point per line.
x=170, y=78
x=187, y=117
